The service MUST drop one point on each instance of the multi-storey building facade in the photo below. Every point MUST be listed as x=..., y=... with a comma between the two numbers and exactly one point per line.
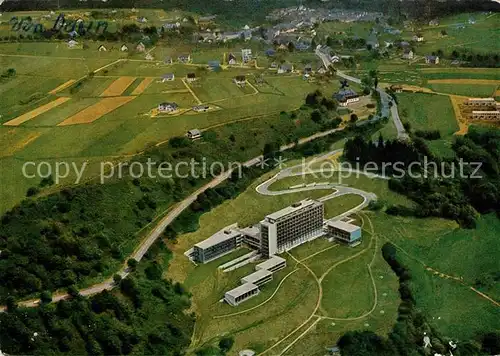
x=291, y=226
x=222, y=242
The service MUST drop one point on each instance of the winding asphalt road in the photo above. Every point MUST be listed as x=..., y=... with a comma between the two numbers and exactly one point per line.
x=384, y=98
x=338, y=189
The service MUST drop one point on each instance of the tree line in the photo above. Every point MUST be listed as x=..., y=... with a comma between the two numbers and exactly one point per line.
x=444, y=187
x=408, y=333
x=145, y=315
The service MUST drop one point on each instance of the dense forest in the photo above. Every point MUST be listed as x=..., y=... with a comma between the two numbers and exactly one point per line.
x=146, y=315
x=445, y=187
x=408, y=333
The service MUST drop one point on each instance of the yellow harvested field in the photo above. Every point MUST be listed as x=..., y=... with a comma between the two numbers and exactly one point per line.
x=20, y=144
x=62, y=86
x=463, y=81
x=38, y=111
x=118, y=86
x=456, y=102
x=142, y=86
x=94, y=112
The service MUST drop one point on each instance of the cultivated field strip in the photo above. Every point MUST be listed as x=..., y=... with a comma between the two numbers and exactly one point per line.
x=142, y=86
x=62, y=86
x=38, y=111
x=94, y=112
x=20, y=144
x=118, y=87
x=463, y=81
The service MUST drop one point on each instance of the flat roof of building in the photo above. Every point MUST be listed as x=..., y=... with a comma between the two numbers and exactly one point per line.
x=270, y=263
x=482, y=99
x=240, y=290
x=222, y=235
x=257, y=276
x=342, y=225
x=293, y=208
x=253, y=231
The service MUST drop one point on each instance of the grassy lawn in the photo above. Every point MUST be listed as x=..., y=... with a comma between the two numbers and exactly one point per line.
x=430, y=112
x=373, y=185
x=460, y=73
x=471, y=90
x=450, y=306
x=41, y=67
x=478, y=37
x=296, y=297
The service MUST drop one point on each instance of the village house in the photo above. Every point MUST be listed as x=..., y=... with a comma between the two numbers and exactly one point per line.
x=140, y=47
x=168, y=60
x=396, y=88
x=308, y=68
x=240, y=80
x=418, y=37
x=206, y=20
x=72, y=44
x=214, y=65
x=346, y=96
x=193, y=134
x=270, y=52
x=124, y=48
x=102, y=48
x=246, y=55
x=301, y=46
x=184, y=58
x=404, y=44
x=171, y=25
x=490, y=115
x=191, y=77
x=273, y=65
x=434, y=22
x=231, y=59
x=372, y=41
x=488, y=103
x=247, y=35
x=408, y=54
x=167, y=107
x=432, y=59
x=149, y=57
x=168, y=77
x=334, y=59
x=229, y=36
x=208, y=37
x=201, y=108
x=321, y=70
x=285, y=68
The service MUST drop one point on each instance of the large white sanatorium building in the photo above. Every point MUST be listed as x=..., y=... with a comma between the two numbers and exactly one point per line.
x=291, y=226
